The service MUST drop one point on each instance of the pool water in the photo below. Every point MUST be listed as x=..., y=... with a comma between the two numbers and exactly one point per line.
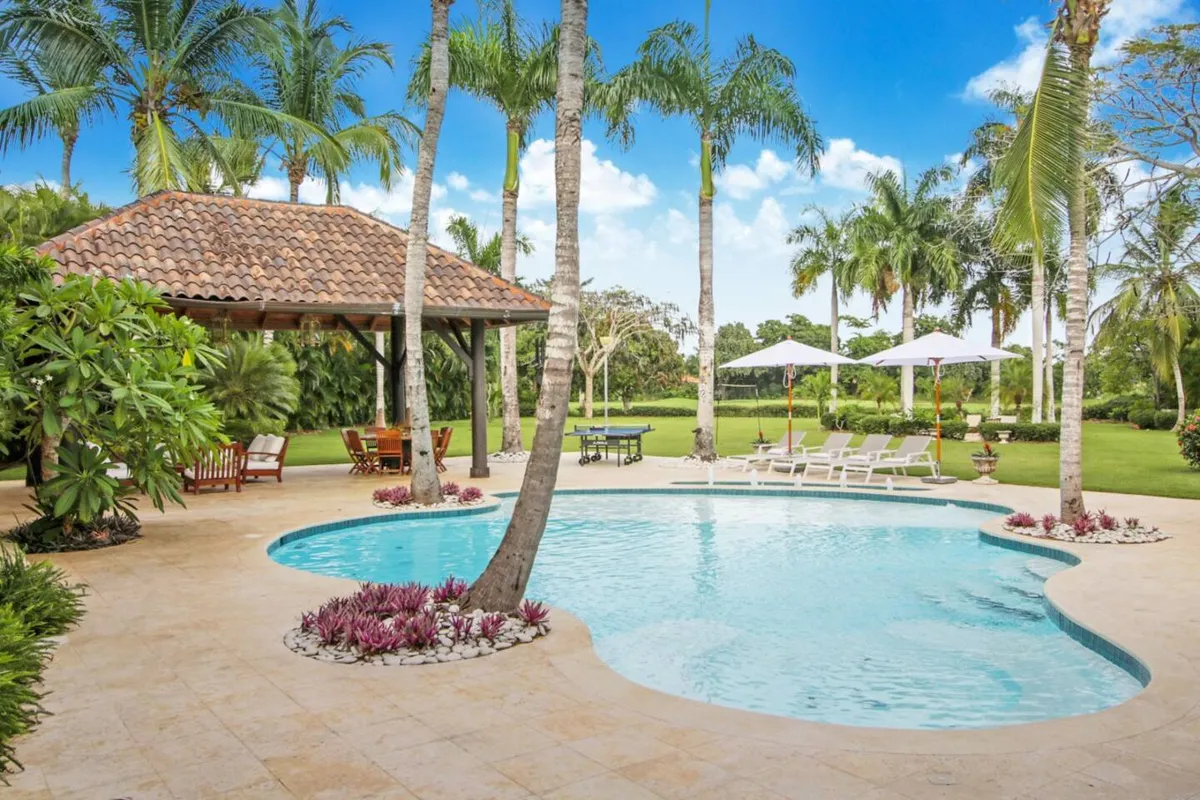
x=859, y=612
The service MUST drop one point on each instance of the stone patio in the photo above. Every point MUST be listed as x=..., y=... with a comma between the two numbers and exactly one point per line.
x=177, y=685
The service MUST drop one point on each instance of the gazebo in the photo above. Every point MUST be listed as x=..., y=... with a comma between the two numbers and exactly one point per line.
x=250, y=264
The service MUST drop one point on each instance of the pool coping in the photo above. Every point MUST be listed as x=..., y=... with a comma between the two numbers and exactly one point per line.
x=587, y=667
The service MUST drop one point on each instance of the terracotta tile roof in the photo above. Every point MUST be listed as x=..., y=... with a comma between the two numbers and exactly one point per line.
x=214, y=247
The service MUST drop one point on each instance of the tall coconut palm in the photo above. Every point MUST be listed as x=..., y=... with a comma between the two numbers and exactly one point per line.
x=503, y=582
x=305, y=73
x=169, y=64
x=1044, y=176
x=906, y=234
x=826, y=251
x=40, y=75
x=1158, y=278
x=426, y=488
x=501, y=63
x=750, y=92
x=469, y=244
x=990, y=286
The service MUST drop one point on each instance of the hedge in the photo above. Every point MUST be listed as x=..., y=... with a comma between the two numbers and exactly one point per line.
x=1117, y=409
x=773, y=410
x=1021, y=431
x=891, y=424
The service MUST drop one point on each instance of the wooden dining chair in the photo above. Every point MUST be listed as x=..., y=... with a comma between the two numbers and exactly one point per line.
x=440, y=446
x=389, y=450
x=364, y=462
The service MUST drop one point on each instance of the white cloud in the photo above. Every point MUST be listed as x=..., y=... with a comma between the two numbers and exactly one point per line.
x=1126, y=19
x=741, y=181
x=457, y=181
x=605, y=189
x=844, y=166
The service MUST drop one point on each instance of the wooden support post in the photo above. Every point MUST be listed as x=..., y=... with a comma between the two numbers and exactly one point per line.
x=479, y=463
x=396, y=373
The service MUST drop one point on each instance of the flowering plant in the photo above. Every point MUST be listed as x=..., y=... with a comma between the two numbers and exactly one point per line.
x=987, y=452
x=1189, y=441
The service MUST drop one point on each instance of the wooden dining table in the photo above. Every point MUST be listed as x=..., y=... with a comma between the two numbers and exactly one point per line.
x=370, y=441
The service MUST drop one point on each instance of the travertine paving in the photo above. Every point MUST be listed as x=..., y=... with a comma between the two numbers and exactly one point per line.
x=177, y=684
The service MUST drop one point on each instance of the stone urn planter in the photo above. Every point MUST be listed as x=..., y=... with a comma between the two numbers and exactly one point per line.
x=984, y=463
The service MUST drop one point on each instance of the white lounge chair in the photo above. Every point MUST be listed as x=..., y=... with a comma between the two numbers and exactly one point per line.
x=766, y=452
x=872, y=448
x=912, y=452
x=833, y=447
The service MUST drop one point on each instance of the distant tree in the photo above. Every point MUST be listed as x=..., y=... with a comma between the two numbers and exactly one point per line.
x=469, y=244
x=31, y=216
x=819, y=387
x=1016, y=381
x=878, y=387
x=649, y=364
x=751, y=93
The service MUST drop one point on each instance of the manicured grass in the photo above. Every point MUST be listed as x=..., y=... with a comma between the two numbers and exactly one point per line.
x=1117, y=458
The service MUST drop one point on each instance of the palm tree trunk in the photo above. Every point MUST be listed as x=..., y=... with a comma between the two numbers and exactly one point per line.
x=906, y=372
x=510, y=399
x=1070, y=464
x=380, y=385
x=69, y=137
x=503, y=583
x=704, y=446
x=1180, y=392
x=297, y=170
x=588, y=389
x=997, y=340
x=833, y=344
x=1038, y=312
x=426, y=488
x=1050, y=414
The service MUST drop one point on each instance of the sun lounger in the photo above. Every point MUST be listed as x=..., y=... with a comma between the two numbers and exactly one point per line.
x=834, y=446
x=766, y=452
x=873, y=447
x=912, y=452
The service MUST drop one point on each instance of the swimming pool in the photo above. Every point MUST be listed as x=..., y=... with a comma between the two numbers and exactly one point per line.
x=851, y=611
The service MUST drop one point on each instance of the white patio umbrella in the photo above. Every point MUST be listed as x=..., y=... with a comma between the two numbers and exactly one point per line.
x=934, y=350
x=789, y=354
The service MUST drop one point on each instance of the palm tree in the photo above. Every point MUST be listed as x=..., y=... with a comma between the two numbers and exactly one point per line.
x=1044, y=175
x=1018, y=375
x=306, y=74
x=470, y=246
x=496, y=60
x=171, y=77
x=1158, y=276
x=40, y=76
x=905, y=234
x=990, y=288
x=254, y=386
x=828, y=252
x=503, y=582
x=878, y=387
x=750, y=92
x=426, y=488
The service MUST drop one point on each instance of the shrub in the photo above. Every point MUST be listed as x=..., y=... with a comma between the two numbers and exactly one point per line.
x=373, y=636
x=871, y=423
x=22, y=655
x=450, y=489
x=766, y=409
x=532, y=613
x=954, y=430
x=1021, y=431
x=1143, y=418
x=1189, y=441
x=1115, y=408
x=462, y=626
x=1021, y=520
x=420, y=631
x=411, y=597
x=470, y=494
x=394, y=495
x=44, y=536
x=39, y=593
x=1084, y=525
x=1165, y=420
x=1105, y=521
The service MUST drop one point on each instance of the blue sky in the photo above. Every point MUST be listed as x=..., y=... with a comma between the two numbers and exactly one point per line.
x=890, y=84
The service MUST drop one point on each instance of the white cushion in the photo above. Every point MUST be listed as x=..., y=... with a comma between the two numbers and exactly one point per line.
x=274, y=445
x=118, y=472
x=187, y=473
x=258, y=445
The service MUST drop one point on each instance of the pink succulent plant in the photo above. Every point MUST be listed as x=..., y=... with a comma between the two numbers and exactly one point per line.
x=532, y=613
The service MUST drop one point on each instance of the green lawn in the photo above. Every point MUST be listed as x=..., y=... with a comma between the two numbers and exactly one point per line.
x=1117, y=458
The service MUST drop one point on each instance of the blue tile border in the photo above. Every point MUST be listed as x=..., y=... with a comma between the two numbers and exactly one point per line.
x=1110, y=651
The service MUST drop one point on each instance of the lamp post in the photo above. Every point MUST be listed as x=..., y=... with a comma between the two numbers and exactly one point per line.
x=604, y=342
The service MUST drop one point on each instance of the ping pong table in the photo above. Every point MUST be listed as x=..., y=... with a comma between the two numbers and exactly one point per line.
x=624, y=440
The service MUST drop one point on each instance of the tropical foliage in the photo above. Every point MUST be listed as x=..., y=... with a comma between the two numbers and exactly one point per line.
x=254, y=386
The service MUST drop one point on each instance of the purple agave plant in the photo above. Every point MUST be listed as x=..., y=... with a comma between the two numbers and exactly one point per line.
x=1106, y=521
x=409, y=598
x=421, y=631
x=461, y=626
x=450, y=488
x=532, y=613
x=449, y=590
x=1021, y=519
x=373, y=636
x=470, y=494
x=1049, y=522
x=490, y=626
x=396, y=496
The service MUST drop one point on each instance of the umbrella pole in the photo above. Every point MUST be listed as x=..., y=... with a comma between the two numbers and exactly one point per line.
x=790, y=372
x=937, y=395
